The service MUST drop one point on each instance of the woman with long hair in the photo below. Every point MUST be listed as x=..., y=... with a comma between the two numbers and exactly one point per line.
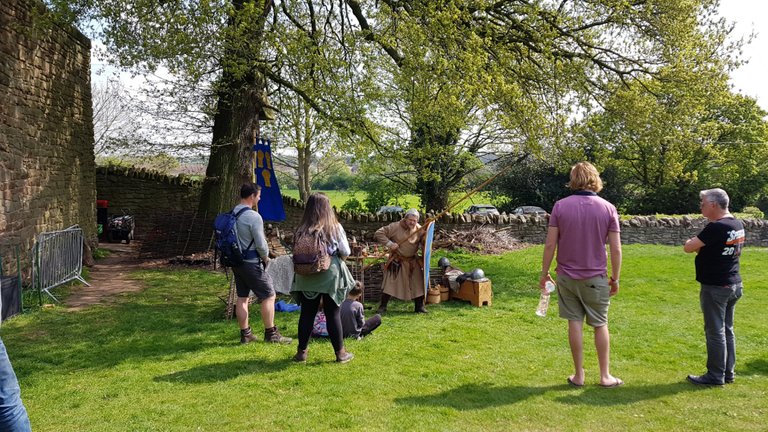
x=331, y=285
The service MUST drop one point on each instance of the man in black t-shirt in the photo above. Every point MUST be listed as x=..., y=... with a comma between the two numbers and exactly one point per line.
x=718, y=247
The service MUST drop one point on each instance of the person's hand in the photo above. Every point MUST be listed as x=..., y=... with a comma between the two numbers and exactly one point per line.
x=393, y=246
x=266, y=261
x=543, y=281
x=614, y=284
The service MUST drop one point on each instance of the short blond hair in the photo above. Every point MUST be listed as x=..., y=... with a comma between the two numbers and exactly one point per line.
x=584, y=176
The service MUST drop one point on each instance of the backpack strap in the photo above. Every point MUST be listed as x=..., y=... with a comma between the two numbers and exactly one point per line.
x=246, y=255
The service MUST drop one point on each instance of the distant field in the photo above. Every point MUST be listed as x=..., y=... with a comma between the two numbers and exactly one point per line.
x=338, y=198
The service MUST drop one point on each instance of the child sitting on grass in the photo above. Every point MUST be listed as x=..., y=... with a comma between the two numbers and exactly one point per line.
x=353, y=322
x=320, y=326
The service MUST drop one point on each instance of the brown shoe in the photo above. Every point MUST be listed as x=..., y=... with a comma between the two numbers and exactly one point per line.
x=246, y=336
x=301, y=356
x=342, y=356
x=273, y=336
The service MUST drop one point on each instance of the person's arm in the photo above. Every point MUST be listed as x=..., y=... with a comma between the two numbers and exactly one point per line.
x=693, y=244
x=614, y=244
x=359, y=315
x=343, y=243
x=550, y=246
x=259, y=238
x=382, y=235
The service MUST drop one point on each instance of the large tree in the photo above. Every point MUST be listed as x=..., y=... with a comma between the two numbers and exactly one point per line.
x=459, y=78
x=429, y=84
x=212, y=51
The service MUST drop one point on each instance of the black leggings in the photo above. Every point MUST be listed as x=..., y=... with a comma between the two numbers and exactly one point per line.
x=332, y=316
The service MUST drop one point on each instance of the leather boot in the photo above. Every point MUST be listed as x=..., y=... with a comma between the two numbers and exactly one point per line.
x=301, y=356
x=418, y=305
x=246, y=336
x=383, y=306
x=273, y=335
x=342, y=356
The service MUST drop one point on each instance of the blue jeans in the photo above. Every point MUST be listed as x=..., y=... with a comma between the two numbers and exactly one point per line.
x=717, y=305
x=13, y=415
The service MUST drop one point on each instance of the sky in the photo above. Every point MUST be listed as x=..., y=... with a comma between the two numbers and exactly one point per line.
x=750, y=16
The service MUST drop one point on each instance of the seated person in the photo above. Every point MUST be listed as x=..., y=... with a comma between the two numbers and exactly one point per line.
x=320, y=327
x=353, y=322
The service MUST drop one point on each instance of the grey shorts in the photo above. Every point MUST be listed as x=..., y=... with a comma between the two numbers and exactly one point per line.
x=578, y=298
x=252, y=277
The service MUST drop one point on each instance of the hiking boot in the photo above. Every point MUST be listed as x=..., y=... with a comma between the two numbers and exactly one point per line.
x=418, y=305
x=342, y=356
x=383, y=306
x=301, y=356
x=273, y=336
x=246, y=336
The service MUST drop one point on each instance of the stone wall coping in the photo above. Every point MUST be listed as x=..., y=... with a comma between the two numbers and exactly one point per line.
x=143, y=173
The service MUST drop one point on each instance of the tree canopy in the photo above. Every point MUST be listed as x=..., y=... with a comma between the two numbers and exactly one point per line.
x=422, y=89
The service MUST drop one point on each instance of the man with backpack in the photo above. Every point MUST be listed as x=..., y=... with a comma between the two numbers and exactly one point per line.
x=250, y=275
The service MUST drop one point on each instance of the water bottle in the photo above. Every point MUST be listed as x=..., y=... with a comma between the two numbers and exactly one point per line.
x=541, y=310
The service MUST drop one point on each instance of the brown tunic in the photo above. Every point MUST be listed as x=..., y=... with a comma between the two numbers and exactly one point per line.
x=404, y=278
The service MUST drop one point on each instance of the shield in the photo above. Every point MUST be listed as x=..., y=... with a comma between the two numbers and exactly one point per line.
x=428, y=252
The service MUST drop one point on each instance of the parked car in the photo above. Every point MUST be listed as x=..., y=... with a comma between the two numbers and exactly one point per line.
x=530, y=210
x=389, y=209
x=483, y=209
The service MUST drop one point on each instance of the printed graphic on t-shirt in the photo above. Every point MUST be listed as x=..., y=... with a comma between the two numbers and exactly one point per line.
x=734, y=242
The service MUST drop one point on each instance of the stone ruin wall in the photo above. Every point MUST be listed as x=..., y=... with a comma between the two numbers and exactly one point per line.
x=165, y=211
x=144, y=193
x=533, y=229
x=47, y=166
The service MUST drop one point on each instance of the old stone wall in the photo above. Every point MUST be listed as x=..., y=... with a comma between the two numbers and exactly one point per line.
x=533, y=229
x=47, y=164
x=144, y=193
x=168, y=225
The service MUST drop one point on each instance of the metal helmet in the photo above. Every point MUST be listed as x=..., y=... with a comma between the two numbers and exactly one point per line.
x=443, y=262
x=477, y=274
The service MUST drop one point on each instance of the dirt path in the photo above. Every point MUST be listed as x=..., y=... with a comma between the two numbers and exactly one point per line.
x=108, y=278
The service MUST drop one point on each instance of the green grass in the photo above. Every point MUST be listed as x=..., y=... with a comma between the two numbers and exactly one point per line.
x=338, y=198
x=165, y=360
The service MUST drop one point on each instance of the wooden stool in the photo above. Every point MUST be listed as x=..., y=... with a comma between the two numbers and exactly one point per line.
x=478, y=292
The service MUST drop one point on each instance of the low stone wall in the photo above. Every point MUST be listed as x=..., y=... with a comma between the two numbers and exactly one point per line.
x=533, y=229
x=145, y=194
x=168, y=225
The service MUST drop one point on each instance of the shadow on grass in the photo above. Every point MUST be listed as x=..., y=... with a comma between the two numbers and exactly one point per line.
x=754, y=367
x=477, y=396
x=627, y=394
x=102, y=337
x=480, y=396
x=226, y=371
x=167, y=320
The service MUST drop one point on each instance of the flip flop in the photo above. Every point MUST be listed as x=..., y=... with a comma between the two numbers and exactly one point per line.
x=616, y=383
x=571, y=382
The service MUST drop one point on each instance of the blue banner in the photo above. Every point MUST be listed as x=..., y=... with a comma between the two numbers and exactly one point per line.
x=428, y=252
x=271, y=203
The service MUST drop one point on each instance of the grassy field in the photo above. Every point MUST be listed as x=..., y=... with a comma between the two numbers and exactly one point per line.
x=165, y=360
x=338, y=198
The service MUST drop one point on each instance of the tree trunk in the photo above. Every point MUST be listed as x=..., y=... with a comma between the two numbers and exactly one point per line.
x=231, y=160
x=305, y=181
x=438, y=170
x=235, y=124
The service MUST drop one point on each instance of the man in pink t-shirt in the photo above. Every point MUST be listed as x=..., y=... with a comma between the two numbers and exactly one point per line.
x=579, y=228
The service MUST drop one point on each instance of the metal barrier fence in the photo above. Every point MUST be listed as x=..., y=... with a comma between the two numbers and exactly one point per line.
x=57, y=259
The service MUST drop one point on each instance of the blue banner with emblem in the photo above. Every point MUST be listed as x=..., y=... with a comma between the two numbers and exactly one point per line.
x=428, y=252
x=271, y=202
